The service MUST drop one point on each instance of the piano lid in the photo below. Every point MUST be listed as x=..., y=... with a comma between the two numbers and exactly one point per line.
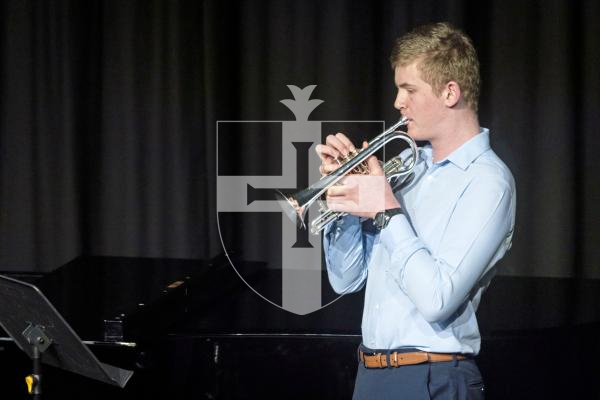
x=124, y=299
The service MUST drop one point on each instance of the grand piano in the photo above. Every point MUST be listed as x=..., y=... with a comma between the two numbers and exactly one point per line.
x=193, y=329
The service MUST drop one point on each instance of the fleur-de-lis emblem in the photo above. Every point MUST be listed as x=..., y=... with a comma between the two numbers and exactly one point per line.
x=302, y=106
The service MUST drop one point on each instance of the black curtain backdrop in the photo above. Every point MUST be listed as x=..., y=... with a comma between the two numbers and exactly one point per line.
x=108, y=114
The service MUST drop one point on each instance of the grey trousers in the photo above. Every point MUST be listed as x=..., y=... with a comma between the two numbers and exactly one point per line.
x=453, y=380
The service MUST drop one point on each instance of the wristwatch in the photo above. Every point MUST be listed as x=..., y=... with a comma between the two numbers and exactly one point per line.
x=382, y=218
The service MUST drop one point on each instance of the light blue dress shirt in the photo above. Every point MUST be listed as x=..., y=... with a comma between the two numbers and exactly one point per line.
x=426, y=271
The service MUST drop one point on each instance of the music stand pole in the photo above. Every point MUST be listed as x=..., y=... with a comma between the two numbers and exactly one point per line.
x=39, y=342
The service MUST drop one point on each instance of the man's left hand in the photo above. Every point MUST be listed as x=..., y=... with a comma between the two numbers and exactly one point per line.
x=363, y=195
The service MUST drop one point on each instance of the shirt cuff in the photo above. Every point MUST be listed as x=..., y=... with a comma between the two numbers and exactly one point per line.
x=334, y=229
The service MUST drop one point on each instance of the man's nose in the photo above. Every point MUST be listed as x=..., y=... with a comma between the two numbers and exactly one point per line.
x=399, y=103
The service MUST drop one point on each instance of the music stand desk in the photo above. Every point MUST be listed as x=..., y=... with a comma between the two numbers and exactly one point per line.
x=41, y=332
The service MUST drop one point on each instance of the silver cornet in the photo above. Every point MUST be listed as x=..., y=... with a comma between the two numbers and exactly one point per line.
x=295, y=205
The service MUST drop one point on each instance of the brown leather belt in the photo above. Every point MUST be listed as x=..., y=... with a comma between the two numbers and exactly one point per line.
x=379, y=360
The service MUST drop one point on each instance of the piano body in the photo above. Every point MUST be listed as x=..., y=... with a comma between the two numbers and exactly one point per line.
x=191, y=329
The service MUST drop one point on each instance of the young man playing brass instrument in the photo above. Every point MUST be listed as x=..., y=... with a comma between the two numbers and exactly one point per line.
x=427, y=250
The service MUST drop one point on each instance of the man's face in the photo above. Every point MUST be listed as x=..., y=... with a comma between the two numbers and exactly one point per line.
x=417, y=101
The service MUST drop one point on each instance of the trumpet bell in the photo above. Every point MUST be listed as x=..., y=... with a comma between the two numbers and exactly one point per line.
x=291, y=208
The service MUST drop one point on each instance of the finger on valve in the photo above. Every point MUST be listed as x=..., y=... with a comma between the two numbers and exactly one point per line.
x=374, y=166
x=326, y=169
x=327, y=154
x=346, y=142
x=334, y=142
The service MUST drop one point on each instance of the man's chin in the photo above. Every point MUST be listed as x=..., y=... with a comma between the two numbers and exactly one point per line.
x=413, y=133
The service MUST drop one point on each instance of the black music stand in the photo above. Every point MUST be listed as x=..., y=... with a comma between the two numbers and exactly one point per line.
x=42, y=333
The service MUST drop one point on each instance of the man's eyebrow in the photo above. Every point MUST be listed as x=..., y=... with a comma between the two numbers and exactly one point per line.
x=405, y=85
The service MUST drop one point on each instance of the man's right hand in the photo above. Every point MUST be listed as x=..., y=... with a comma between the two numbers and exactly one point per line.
x=334, y=151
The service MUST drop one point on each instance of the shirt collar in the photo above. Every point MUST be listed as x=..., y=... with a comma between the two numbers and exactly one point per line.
x=465, y=154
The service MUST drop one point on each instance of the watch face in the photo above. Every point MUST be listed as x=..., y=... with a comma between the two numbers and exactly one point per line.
x=386, y=219
x=377, y=219
x=380, y=219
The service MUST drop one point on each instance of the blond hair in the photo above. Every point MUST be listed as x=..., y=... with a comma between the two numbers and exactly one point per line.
x=444, y=54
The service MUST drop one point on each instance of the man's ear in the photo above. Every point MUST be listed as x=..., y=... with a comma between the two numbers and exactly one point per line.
x=451, y=94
